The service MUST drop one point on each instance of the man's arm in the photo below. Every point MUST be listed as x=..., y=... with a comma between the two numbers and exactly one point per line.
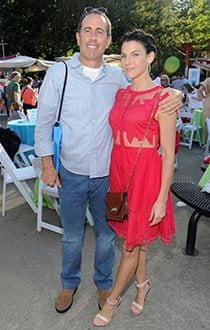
x=172, y=102
x=48, y=103
x=17, y=94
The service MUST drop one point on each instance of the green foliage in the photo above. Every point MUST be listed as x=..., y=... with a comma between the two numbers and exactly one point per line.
x=47, y=28
x=192, y=25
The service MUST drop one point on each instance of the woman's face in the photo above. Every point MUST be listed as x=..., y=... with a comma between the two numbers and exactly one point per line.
x=135, y=61
x=164, y=81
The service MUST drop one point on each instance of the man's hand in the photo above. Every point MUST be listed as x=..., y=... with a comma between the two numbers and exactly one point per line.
x=49, y=174
x=171, y=103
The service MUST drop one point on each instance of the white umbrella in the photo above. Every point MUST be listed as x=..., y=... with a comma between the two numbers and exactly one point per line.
x=18, y=62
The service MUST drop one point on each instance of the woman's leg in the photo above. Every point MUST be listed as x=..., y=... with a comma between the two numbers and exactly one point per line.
x=141, y=270
x=142, y=283
x=127, y=268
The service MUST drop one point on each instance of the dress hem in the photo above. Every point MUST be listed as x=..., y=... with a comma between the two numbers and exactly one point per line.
x=165, y=240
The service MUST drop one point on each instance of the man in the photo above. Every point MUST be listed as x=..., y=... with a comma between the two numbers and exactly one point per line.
x=13, y=92
x=85, y=150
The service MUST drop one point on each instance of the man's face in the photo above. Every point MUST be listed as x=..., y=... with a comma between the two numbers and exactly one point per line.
x=93, y=40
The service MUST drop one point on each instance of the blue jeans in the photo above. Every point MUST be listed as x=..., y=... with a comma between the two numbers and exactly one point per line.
x=75, y=193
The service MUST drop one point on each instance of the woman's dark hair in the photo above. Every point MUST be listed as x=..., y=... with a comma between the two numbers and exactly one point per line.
x=27, y=80
x=146, y=39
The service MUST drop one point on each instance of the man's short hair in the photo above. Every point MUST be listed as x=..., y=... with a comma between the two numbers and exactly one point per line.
x=98, y=12
x=14, y=74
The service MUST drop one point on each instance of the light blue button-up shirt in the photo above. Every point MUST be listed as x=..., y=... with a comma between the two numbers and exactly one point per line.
x=87, y=137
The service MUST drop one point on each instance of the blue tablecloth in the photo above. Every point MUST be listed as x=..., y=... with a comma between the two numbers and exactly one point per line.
x=25, y=129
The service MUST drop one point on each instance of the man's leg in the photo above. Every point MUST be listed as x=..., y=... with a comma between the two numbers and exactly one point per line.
x=104, y=252
x=73, y=201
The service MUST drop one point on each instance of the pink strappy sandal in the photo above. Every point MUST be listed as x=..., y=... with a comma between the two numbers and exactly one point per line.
x=100, y=320
x=135, y=307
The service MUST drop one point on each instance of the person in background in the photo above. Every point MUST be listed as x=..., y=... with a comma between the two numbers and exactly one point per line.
x=2, y=105
x=85, y=149
x=138, y=126
x=13, y=92
x=204, y=95
x=3, y=100
x=192, y=100
x=165, y=80
x=178, y=81
x=36, y=83
x=29, y=95
x=14, y=109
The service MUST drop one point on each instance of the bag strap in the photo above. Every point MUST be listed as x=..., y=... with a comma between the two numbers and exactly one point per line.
x=143, y=140
x=63, y=91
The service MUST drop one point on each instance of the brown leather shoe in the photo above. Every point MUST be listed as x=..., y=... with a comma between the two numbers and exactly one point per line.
x=102, y=295
x=64, y=300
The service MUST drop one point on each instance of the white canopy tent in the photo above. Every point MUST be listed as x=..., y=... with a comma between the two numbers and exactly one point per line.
x=26, y=62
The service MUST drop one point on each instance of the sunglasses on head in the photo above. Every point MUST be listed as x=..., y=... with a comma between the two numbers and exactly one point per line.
x=88, y=10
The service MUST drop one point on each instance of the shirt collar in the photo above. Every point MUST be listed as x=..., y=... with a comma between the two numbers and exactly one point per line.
x=75, y=62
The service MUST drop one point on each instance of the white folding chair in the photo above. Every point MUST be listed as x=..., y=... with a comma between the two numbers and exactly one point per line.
x=18, y=176
x=188, y=127
x=21, y=159
x=208, y=138
x=52, y=192
x=32, y=114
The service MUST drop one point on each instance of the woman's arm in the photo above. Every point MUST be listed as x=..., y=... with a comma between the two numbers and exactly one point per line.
x=167, y=142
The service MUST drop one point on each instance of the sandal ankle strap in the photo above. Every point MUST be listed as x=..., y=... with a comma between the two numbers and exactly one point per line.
x=141, y=285
x=113, y=302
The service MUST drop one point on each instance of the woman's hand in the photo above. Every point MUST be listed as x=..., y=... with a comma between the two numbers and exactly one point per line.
x=157, y=213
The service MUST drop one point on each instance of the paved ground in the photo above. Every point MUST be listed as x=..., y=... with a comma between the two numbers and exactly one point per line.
x=31, y=262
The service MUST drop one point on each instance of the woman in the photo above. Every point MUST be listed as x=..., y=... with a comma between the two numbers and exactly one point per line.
x=150, y=208
x=29, y=95
x=165, y=80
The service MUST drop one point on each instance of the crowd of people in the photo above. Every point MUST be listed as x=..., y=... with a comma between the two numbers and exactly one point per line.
x=194, y=96
x=18, y=94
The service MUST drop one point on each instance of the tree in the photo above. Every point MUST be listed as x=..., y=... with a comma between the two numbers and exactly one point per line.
x=192, y=25
x=47, y=28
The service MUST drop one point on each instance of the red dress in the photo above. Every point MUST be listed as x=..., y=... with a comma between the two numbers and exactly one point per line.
x=129, y=118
